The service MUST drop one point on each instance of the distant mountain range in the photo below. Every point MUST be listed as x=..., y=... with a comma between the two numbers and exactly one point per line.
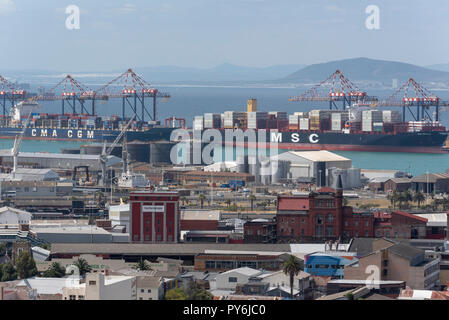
x=223, y=73
x=364, y=69
x=376, y=72
x=440, y=67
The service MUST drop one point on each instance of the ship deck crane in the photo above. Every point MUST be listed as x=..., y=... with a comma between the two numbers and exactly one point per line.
x=107, y=151
x=16, y=146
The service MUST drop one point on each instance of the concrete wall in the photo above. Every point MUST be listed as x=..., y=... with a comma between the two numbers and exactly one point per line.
x=358, y=272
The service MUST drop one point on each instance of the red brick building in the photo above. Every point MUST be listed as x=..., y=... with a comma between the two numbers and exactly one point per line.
x=320, y=216
x=399, y=224
x=154, y=217
x=259, y=231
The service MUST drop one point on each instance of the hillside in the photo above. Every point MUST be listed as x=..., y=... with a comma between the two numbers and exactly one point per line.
x=364, y=69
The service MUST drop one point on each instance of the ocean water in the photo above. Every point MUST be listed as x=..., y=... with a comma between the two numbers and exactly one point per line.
x=189, y=101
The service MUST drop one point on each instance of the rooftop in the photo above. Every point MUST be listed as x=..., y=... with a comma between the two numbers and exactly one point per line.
x=170, y=249
x=321, y=155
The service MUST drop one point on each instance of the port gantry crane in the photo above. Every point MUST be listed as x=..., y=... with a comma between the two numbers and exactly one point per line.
x=417, y=100
x=71, y=92
x=334, y=89
x=8, y=93
x=134, y=91
x=337, y=88
x=107, y=151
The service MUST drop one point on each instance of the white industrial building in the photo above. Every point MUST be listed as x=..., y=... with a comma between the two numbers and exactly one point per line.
x=77, y=234
x=13, y=216
x=57, y=160
x=29, y=174
x=350, y=178
x=120, y=216
x=309, y=164
x=230, y=166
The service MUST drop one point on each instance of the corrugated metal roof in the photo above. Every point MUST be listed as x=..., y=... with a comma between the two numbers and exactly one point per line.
x=319, y=155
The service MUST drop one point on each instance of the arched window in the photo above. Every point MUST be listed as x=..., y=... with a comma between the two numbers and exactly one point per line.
x=329, y=218
x=319, y=219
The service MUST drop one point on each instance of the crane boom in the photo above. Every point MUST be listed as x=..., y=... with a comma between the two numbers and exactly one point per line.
x=19, y=138
x=119, y=137
x=106, y=152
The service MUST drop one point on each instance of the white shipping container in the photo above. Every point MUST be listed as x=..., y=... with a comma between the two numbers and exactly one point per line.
x=293, y=119
x=304, y=124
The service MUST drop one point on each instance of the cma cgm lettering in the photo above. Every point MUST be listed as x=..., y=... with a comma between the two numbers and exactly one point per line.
x=61, y=134
x=159, y=134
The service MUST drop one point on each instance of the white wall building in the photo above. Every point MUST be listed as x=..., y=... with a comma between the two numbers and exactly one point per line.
x=119, y=216
x=101, y=287
x=228, y=280
x=12, y=216
x=305, y=164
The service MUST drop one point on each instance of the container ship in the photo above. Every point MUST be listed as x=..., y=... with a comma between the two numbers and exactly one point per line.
x=75, y=127
x=358, y=128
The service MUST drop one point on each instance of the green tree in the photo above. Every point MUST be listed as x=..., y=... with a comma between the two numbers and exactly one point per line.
x=196, y=292
x=83, y=266
x=142, y=265
x=292, y=267
x=54, y=271
x=202, y=197
x=228, y=202
x=2, y=249
x=419, y=198
x=252, y=198
x=26, y=266
x=175, y=294
x=8, y=272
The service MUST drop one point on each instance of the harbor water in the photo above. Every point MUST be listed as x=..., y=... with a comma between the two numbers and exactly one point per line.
x=188, y=101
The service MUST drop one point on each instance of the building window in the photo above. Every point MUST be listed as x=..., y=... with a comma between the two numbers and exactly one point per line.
x=232, y=279
x=319, y=231
x=140, y=298
x=385, y=272
x=329, y=218
x=80, y=297
x=356, y=234
x=149, y=290
x=329, y=231
x=356, y=223
x=366, y=234
x=92, y=283
x=319, y=219
x=142, y=290
x=346, y=223
x=367, y=223
x=72, y=297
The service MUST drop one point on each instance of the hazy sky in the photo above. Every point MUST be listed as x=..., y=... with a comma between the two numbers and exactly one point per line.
x=203, y=33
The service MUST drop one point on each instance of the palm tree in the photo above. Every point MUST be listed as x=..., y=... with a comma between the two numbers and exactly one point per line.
x=83, y=266
x=202, y=197
x=419, y=197
x=292, y=267
x=142, y=265
x=252, y=198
